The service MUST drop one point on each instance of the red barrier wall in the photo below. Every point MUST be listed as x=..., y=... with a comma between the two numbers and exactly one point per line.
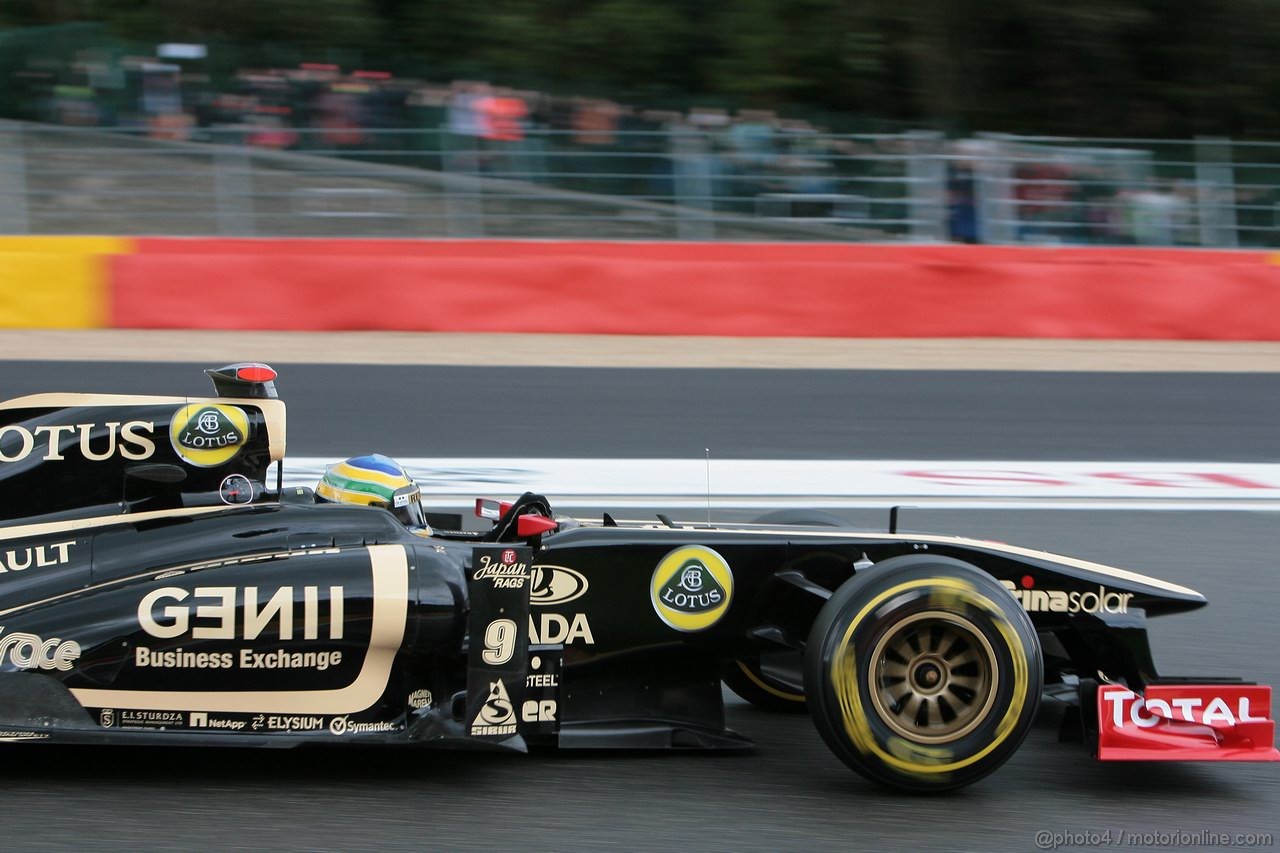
x=698, y=289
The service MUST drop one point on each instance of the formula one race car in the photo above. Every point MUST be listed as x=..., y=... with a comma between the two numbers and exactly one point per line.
x=155, y=588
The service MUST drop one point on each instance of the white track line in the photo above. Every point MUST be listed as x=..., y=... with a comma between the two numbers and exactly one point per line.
x=747, y=483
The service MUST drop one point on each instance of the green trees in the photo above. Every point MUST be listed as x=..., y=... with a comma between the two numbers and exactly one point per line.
x=1091, y=67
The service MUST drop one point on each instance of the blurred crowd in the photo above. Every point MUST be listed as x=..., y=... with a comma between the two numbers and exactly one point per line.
x=752, y=162
x=321, y=106
x=1057, y=196
x=728, y=157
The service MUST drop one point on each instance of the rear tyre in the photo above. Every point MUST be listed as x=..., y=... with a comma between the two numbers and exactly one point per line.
x=772, y=681
x=806, y=517
x=923, y=674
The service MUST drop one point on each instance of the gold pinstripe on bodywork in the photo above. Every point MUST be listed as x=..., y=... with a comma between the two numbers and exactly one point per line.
x=72, y=525
x=390, y=612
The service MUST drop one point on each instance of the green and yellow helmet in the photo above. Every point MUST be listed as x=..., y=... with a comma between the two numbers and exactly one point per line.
x=373, y=480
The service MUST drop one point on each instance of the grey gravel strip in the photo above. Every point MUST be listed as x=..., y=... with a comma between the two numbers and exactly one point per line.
x=450, y=348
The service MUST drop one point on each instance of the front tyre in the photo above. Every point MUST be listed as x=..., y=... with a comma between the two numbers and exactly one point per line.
x=923, y=674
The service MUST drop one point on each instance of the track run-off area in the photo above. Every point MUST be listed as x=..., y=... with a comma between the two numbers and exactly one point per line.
x=1166, y=466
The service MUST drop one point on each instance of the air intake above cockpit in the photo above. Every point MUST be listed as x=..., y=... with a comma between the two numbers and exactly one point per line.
x=248, y=379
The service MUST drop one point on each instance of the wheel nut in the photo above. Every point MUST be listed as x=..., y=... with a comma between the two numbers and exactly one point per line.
x=928, y=675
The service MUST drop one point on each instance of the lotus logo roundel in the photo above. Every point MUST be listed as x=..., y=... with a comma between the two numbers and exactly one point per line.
x=208, y=434
x=691, y=588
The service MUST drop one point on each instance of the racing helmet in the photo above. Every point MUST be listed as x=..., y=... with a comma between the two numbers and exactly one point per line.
x=373, y=480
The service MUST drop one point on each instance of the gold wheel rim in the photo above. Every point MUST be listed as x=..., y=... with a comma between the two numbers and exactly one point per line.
x=933, y=677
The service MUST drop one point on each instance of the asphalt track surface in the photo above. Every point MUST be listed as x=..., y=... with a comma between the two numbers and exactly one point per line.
x=342, y=410
x=790, y=793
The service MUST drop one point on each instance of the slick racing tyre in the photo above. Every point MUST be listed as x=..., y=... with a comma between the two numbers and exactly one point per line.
x=773, y=681
x=923, y=674
x=806, y=517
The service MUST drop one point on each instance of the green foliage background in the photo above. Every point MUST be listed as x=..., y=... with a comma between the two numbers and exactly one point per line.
x=1139, y=68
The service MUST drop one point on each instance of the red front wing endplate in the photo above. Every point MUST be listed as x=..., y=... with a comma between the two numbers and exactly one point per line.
x=1186, y=722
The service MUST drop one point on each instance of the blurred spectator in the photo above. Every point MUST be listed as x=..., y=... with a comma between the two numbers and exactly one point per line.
x=268, y=127
x=595, y=121
x=804, y=163
x=698, y=172
x=503, y=115
x=382, y=107
x=595, y=128
x=962, y=203
x=751, y=138
x=161, y=101
x=555, y=113
x=1043, y=190
x=502, y=129
x=1157, y=215
x=338, y=114
x=964, y=167
x=708, y=119
x=75, y=105
x=465, y=116
x=467, y=124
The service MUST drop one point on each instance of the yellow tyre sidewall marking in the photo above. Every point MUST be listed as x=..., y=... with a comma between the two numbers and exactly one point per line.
x=844, y=676
x=755, y=679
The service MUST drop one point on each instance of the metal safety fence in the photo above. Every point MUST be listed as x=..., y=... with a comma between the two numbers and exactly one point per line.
x=678, y=183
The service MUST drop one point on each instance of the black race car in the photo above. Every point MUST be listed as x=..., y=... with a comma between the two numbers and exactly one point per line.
x=157, y=586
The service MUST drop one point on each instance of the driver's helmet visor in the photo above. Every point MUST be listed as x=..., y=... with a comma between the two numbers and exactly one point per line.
x=406, y=505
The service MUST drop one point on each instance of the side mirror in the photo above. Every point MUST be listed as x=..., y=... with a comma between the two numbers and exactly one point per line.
x=528, y=526
x=491, y=509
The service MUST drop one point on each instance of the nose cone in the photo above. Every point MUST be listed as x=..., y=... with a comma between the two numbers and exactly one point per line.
x=1169, y=602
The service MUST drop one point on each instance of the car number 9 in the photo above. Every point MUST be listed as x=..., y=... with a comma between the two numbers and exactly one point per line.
x=499, y=642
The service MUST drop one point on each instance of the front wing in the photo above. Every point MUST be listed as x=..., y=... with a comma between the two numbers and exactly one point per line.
x=1185, y=721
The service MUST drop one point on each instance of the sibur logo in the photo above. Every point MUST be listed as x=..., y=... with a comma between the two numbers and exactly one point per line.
x=496, y=716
